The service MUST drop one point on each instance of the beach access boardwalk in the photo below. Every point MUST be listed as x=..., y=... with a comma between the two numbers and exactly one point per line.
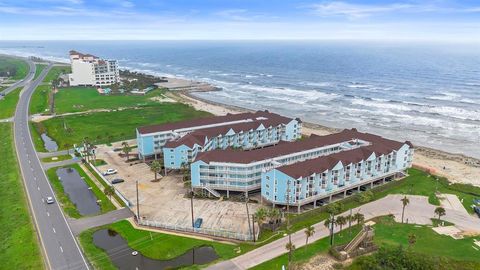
x=419, y=211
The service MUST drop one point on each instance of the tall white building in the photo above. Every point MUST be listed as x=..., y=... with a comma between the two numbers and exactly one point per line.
x=90, y=70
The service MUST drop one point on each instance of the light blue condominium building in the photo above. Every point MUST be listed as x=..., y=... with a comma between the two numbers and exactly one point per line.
x=231, y=170
x=336, y=174
x=181, y=142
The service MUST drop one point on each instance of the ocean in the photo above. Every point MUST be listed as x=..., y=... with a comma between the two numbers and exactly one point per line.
x=426, y=93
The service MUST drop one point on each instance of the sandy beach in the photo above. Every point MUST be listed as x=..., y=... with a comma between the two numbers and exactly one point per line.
x=457, y=168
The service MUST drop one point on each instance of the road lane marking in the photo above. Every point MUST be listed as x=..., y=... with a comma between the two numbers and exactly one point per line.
x=38, y=188
x=61, y=249
x=48, y=214
x=54, y=230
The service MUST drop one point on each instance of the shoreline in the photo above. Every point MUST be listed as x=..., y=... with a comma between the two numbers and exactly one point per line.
x=458, y=168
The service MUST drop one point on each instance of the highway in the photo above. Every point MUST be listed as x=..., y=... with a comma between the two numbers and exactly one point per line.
x=21, y=83
x=59, y=246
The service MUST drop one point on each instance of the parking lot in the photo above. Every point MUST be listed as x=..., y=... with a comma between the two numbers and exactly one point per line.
x=165, y=202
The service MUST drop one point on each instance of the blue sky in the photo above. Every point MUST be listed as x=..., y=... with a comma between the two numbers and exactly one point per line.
x=432, y=20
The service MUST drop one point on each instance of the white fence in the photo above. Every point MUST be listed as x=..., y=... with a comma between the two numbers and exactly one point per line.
x=206, y=231
x=120, y=195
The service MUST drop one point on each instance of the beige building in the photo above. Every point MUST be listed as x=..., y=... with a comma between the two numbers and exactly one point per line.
x=90, y=70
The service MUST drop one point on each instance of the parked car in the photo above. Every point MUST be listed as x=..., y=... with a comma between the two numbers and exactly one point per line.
x=109, y=172
x=363, y=188
x=477, y=210
x=117, y=180
x=476, y=201
x=198, y=223
x=50, y=200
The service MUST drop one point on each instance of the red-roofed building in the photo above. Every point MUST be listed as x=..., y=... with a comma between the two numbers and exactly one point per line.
x=180, y=142
x=359, y=157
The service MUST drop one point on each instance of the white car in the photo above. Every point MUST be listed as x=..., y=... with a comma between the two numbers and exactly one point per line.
x=50, y=200
x=109, y=172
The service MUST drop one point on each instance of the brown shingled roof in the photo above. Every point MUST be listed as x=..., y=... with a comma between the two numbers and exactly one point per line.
x=72, y=52
x=284, y=148
x=221, y=130
x=209, y=121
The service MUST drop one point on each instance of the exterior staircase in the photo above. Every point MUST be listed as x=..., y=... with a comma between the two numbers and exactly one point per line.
x=212, y=191
x=359, y=238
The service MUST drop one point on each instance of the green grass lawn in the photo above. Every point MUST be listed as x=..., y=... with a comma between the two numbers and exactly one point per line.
x=303, y=254
x=19, y=65
x=39, y=102
x=9, y=103
x=38, y=69
x=78, y=99
x=56, y=71
x=390, y=233
x=35, y=129
x=105, y=127
x=68, y=206
x=58, y=158
x=19, y=248
x=162, y=247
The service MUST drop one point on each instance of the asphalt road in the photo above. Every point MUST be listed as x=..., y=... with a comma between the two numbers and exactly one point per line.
x=59, y=246
x=23, y=82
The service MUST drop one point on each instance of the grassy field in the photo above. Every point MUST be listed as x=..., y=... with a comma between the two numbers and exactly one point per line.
x=9, y=103
x=19, y=248
x=19, y=65
x=105, y=127
x=56, y=71
x=38, y=69
x=39, y=101
x=78, y=99
x=68, y=206
x=58, y=158
x=390, y=233
x=35, y=130
x=303, y=254
x=162, y=247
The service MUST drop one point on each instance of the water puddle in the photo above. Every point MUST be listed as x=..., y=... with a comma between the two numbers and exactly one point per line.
x=78, y=191
x=121, y=254
x=49, y=143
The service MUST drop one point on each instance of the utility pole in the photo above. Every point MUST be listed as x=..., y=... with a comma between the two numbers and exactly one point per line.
x=253, y=223
x=138, y=204
x=191, y=207
x=248, y=216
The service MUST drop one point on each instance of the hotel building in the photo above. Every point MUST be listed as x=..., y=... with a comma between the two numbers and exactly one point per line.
x=181, y=142
x=90, y=70
x=361, y=158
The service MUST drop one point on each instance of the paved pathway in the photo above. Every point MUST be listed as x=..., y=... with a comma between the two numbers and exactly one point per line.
x=48, y=165
x=419, y=211
x=80, y=225
x=6, y=120
x=54, y=154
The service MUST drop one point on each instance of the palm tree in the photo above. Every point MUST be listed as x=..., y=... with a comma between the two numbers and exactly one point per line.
x=126, y=149
x=405, y=202
x=109, y=191
x=67, y=145
x=260, y=216
x=309, y=232
x=290, y=247
x=359, y=218
x=412, y=239
x=333, y=209
x=440, y=211
x=341, y=221
x=273, y=215
x=155, y=167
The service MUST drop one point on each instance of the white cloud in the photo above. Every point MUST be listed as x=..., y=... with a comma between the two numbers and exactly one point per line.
x=234, y=14
x=338, y=8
